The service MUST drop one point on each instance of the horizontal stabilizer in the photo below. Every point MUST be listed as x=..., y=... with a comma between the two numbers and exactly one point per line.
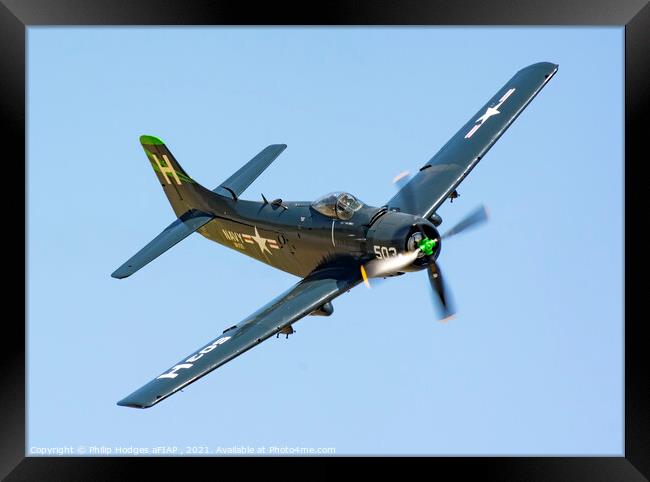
x=239, y=181
x=175, y=232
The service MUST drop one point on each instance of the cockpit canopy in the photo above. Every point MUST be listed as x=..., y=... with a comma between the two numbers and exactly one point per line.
x=339, y=205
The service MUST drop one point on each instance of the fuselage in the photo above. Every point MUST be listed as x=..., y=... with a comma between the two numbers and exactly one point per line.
x=295, y=238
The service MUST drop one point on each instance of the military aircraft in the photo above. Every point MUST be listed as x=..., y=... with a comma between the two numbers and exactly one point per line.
x=332, y=243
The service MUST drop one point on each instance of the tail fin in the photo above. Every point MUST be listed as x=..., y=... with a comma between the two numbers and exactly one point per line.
x=183, y=192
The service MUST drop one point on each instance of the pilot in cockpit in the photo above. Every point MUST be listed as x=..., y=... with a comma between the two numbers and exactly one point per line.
x=339, y=205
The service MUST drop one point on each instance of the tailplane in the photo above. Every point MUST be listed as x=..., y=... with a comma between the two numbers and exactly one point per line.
x=240, y=180
x=192, y=203
x=174, y=233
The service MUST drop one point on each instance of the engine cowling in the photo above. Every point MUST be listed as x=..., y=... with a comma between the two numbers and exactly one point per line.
x=395, y=233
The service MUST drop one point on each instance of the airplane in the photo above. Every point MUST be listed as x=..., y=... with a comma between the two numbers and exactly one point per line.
x=333, y=243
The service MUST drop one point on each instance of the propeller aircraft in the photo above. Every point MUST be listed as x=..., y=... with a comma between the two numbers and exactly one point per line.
x=333, y=243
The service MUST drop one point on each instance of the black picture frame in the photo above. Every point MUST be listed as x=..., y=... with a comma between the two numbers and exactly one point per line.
x=17, y=15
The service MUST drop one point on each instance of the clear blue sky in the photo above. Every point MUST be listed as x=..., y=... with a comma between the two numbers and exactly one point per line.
x=533, y=363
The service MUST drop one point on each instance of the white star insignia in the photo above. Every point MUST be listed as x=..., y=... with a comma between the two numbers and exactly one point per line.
x=260, y=241
x=488, y=113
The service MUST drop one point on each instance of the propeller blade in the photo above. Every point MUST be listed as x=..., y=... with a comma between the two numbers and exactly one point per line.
x=370, y=284
x=401, y=182
x=438, y=287
x=402, y=179
x=475, y=218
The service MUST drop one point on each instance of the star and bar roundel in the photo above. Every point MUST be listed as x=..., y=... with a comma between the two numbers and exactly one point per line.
x=263, y=243
x=239, y=240
x=489, y=112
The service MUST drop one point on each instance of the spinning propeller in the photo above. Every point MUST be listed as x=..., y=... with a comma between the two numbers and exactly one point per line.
x=423, y=246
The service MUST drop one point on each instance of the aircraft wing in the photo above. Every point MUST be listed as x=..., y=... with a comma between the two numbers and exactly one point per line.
x=439, y=177
x=306, y=296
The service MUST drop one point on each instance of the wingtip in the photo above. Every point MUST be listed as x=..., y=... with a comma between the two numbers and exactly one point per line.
x=130, y=405
x=276, y=148
x=128, y=402
x=117, y=274
x=546, y=65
